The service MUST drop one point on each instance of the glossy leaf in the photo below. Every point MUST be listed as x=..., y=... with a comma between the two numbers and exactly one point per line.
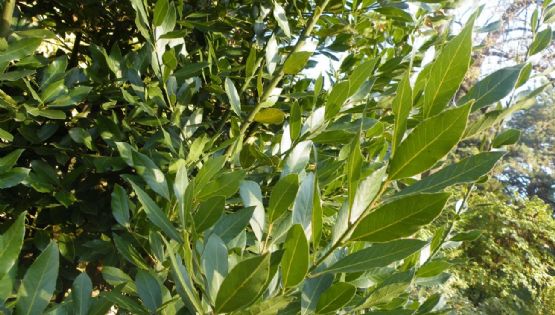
x=294, y=262
x=335, y=297
x=10, y=244
x=8, y=161
x=302, y=207
x=252, y=197
x=208, y=213
x=296, y=62
x=378, y=255
x=282, y=196
x=244, y=283
x=271, y=116
x=367, y=190
x=281, y=19
x=428, y=142
x=39, y=282
x=81, y=294
x=233, y=96
x=230, y=225
x=399, y=218
x=13, y=177
x=19, y=49
x=214, y=264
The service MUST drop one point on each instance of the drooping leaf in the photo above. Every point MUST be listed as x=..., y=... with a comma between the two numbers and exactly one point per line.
x=294, y=262
x=429, y=142
x=81, y=294
x=39, y=282
x=399, y=218
x=378, y=255
x=335, y=297
x=244, y=283
x=448, y=70
x=282, y=196
x=465, y=171
x=10, y=244
x=155, y=214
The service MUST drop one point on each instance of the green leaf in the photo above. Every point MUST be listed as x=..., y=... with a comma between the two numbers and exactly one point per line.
x=294, y=262
x=150, y=172
x=524, y=75
x=448, y=71
x=493, y=88
x=251, y=195
x=272, y=56
x=296, y=62
x=272, y=116
x=208, y=213
x=120, y=205
x=155, y=214
x=210, y=169
x=298, y=158
x=230, y=225
x=115, y=276
x=160, y=12
x=233, y=96
x=366, y=191
x=429, y=142
x=281, y=19
x=129, y=252
x=390, y=289
x=401, y=106
x=336, y=98
x=282, y=196
x=466, y=236
x=10, y=244
x=189, y=70
x=541, y=41
x=465, y=171
x=399, y=218
x=335, y=297
x=39, y=282
x=16, y=75
x=225, y=185
x=9, y=160
x=507, y=137
x=432, y=268
x=19, y=49
x=13, y=177
x=124, y=302
x=244, y=283
x=214, y=264
x=360, y=74
x=148, y=290
x=251, y=65
x=295, y=121
x=81, y=294
x=6, y=136
x=354, y=168
x=302, y=207
x=378, y=255
x=48, y=113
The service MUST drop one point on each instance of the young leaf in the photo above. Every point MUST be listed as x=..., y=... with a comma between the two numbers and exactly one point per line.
x=233, y=96
x=208, y=213
x=335, y=297
x=81, y=294
x=10, y=244
x=493, y=88
x=378, y=255
x=302, y=208
x=8, y=161
x=252, y=197
x=39, y=282
x=429, y=142
x=541, y=41
x=281, y=19
x=507, y=137
x=155, y=214
x=399, y=218
x=244, y=283
x=294, y=262
x=272, y=116
x=214, y=264
x=149, y=290
x=282, y=196
x=465, y=171
x=401, y=106
x=120, y=205
x=448, y=71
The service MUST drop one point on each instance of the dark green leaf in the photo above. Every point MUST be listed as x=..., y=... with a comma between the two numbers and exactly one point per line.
x=230, y=225
x=81, y=294
x=335, y=297
x=294, y=262
x=208, y=213
x=120, y=205
x=282, y=196
x=149, y=290
x=541, y=41
x=19, y=49
x=10, y=244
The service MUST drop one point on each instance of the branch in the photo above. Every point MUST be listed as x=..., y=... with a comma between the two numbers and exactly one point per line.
x=7, y=15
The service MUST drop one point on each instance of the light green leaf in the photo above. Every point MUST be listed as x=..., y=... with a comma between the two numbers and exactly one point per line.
x=360, y=74
x=252, y=197
x=150, y=172
x=6, y=136
x=39, y=282
x=507, y=137
x=225, y=185
x=155, y=214
x=524, y=75
x=160, y=11
x=336, y=98
x=302, y=208
x=432, y=268
x=272, y=116
x=354, y=168
x=466, y=236
x=48, y=113
x=294, y=121
x=19, y=49
x=10, y=244
x=281, y=19
x=210, y=169
x=493, y=88
x=399, y=218
x=465, y=171
x=208, y=213
x=244, y=283
x=448, y=71
x=233, y=96
x=401, y=106
x=148, y=290
x=298, y=158
x=390, y=289
x=214, y=264
x=8, y=161
x=282, y=196
x=378, y=255
x=335, y=297
x=428, y=142
x=296, y=62
x=294, y=262
x=367, y=190
x=81, y=294
x=120, y=205
x=541, y=41
x=272, y=56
